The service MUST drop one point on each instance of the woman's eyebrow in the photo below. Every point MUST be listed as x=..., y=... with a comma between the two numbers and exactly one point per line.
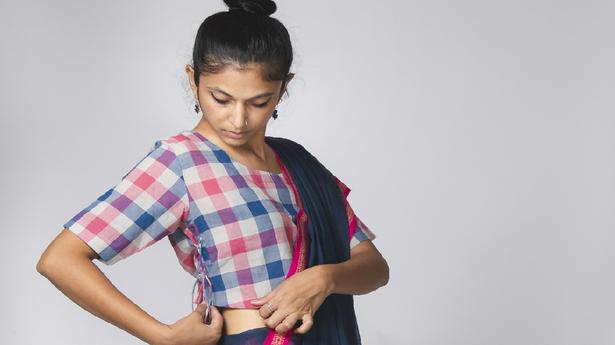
x=229, y=95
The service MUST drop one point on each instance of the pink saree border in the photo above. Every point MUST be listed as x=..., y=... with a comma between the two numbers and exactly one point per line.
x=299, y=255
x=352, y=221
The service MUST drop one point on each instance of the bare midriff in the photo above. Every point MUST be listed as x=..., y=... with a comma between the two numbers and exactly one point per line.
x=237, y=320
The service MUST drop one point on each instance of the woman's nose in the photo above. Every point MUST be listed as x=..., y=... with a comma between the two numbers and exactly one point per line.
x=239, y=116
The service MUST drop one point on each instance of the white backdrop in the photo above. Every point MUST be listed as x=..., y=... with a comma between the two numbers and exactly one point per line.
x=477, y=138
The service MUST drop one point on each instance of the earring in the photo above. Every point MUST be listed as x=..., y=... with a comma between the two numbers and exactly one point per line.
x=196, y=108
x=275, y=114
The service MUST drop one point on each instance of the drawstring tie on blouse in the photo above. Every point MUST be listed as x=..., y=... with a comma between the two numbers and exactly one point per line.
x=204, y=291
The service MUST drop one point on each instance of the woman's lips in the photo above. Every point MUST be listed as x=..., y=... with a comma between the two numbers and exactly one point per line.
x=235, y=134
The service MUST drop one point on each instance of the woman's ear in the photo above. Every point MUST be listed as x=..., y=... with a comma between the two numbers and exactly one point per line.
x=190, y=73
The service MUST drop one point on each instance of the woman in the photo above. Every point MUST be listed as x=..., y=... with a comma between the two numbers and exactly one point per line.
x=263, y=226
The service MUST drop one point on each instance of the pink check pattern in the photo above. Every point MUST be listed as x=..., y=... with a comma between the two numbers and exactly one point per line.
x=224, y=220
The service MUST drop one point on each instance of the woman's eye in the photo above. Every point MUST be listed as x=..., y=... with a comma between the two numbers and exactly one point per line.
x=261, y=105
x=219, y=100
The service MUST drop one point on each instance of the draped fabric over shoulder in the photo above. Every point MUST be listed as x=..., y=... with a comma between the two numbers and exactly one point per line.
x=323, y=228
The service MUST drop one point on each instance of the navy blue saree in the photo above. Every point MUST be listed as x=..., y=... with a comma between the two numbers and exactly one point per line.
x=323, y=239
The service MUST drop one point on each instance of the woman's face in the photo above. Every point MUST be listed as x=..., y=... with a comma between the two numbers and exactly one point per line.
x=230, y=98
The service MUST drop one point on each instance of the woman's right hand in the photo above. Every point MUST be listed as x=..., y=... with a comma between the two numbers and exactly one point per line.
x=190, y=330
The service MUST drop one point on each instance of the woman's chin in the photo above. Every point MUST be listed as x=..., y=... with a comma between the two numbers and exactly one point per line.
x=231, y=139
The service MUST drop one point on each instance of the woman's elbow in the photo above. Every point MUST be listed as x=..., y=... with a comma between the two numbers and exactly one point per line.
x=49, y=261
x=385, y=271
x=65, y=248
x=46, y=263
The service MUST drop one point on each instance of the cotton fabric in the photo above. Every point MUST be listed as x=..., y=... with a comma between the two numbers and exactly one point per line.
x=191, y=191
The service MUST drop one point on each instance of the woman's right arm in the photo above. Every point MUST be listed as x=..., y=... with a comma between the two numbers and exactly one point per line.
x=67, y=263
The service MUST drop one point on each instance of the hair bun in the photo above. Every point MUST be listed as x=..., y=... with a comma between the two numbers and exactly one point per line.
x=263, y=7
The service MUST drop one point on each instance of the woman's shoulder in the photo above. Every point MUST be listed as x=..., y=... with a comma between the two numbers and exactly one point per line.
x=181, y=142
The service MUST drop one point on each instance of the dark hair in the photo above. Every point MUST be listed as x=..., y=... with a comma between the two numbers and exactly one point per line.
x=242, y=35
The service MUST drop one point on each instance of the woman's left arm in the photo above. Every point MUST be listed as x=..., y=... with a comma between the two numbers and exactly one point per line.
x=364, y=272
x=298, y=297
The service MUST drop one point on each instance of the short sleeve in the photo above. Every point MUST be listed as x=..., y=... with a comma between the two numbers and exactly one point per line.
x=358, y=231
x=147, y=204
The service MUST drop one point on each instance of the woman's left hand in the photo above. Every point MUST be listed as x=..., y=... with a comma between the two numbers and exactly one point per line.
x=296, y=298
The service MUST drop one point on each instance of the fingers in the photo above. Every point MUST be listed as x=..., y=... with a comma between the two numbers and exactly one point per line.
x=262, y=300
x=266, y=310
x=288, y=323
x=200, y=308
x=259, y=301
x=308, y=321
x=216, y=318
x=275, y=318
